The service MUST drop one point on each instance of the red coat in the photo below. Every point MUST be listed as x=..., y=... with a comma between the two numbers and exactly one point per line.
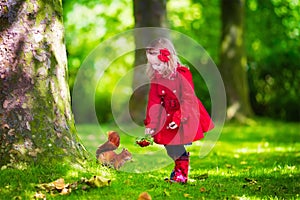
x=175, y=100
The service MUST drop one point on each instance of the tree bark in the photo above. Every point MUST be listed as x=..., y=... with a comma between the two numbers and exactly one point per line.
x=37, y=123
x=233, y=59
x=150, y=13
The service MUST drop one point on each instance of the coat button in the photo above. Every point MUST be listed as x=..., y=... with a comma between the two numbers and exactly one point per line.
x=168, y=114
x=162, y=91
x=174, y=91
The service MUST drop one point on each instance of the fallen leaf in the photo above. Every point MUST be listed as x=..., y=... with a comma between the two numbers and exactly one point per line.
x=251, y=181
x=228, y=166
x=236, y=197
x=5, y=126
x=59, y=187
x=187, y=196
x=202, y=189
x=144, y=196
x=98, y=181
x=73, y=186
x=59, y=184
x=166, y=192
x=65, y=191
x=39, y=195
x=46, y=186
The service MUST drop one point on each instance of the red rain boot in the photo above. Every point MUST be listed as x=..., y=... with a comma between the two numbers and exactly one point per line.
x=180, y=172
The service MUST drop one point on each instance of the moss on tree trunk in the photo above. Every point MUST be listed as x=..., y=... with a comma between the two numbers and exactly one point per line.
x=37, y=124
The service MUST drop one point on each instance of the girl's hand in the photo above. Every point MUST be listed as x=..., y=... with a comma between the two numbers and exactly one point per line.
x=149, y=131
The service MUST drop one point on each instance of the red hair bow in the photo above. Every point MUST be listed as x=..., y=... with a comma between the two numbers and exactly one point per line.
x=163, y=56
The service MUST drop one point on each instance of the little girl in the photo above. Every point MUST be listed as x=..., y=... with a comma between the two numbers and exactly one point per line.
x=175, y=116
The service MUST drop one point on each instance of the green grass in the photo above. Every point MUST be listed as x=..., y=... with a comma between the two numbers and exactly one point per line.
x=260, y=161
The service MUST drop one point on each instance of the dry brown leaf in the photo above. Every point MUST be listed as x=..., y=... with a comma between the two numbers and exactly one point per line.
x=5, y=126
x=59, y=187
x=144, y=196
x=59, y=184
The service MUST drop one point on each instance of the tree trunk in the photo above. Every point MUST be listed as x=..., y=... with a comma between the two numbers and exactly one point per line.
x=233, y=59
x=36, y=120
x=150, y=13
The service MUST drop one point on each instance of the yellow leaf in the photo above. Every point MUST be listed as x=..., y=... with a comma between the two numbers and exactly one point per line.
x=187, y=196
x=228, y=165
x=65, y=191
x=98, y=181
x=39, y=195
x=166, y=193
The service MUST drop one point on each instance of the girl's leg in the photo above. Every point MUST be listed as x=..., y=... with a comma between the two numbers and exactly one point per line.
x=175, y=151
x=181, y=158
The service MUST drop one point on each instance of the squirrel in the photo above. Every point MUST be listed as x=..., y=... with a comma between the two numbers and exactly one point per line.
x=110, y=158
x=105, y=153
x=111, y=144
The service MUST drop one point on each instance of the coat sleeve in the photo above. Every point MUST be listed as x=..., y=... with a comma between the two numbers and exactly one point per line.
x=153, y=108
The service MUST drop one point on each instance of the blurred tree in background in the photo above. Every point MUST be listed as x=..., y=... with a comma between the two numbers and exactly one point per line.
x=273, y=48
x=150, y=13
x=233, y=59
x=271, y=45
x=87, y=24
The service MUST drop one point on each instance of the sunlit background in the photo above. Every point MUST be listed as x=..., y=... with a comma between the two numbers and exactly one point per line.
x=271, y=38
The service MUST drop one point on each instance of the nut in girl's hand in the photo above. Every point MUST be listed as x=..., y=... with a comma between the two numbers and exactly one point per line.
x=144, y=141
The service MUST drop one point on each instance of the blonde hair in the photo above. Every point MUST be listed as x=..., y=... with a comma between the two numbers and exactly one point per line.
x=171, y=65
